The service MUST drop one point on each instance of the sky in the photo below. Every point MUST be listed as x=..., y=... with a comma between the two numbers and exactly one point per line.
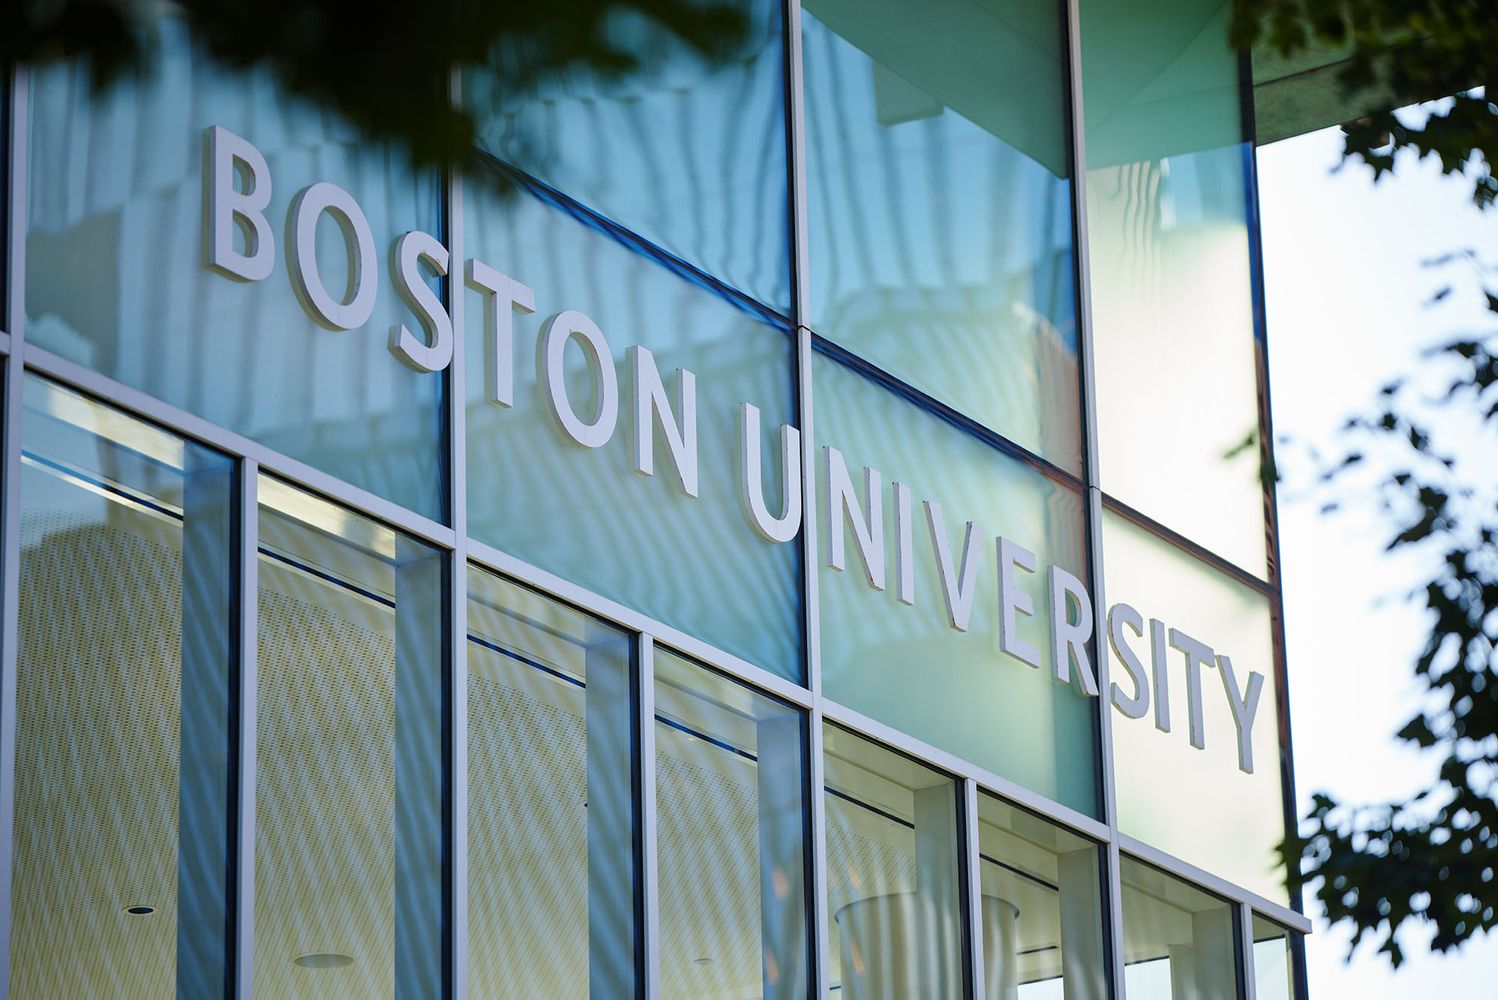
x=1345, y=291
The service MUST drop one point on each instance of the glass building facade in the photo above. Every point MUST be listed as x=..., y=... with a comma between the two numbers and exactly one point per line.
x=782, y=526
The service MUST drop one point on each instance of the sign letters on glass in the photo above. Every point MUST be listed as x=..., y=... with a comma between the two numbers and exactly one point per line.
x=238, y=190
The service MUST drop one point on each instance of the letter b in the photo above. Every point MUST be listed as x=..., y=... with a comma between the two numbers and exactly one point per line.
x=226, y=204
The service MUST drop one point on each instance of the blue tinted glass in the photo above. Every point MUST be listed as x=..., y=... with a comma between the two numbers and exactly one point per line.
x=552, y=876
x=349, y=761
x=730, y=774
x=687, y=151
x=582, y=513
x=940, y=205
x=905, y=664
x=116, y=279
x=125, y=674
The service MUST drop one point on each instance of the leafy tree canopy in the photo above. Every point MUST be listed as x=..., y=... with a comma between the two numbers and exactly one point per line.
x=1413, y=50
x=1429, y=859
x=384, y=65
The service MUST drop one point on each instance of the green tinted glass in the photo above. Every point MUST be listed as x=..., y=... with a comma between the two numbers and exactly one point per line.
x=1177, y=361
x=905, y=664
x=1178, y=940
x=1165, y=782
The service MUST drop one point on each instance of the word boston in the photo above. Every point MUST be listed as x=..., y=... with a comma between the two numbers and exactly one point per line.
x=241, y=208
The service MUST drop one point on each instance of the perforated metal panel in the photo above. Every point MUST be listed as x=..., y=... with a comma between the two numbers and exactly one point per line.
x=96, y=758
x=325, y=795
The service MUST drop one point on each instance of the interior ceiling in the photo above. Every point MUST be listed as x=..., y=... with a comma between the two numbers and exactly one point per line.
x=96, y=804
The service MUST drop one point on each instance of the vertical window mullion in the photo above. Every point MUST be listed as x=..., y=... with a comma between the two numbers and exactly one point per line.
x=972, y=889
x=648, y=930
x=1112, y=887
x=457, y=590
x=796, y=163
x=816, y=820
x=1244, y=924
x=10, y=510
x=247, y=562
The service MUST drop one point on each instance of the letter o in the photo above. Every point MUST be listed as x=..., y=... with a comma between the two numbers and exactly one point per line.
x=306, y=209
x=550, y=351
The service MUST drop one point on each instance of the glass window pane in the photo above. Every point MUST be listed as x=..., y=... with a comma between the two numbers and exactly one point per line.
x=1274, y=963
x=124, y=699
x=116, y=279
x=1209, y=811
x=686, y=151
x=553, y=892
x=1178, y=940
x=729, y=787
x=694, y=563
x=905, y=664
x=349, y=775
x=939, y=205
x=1042, y=908
x=893, y=896
x=1176, y=357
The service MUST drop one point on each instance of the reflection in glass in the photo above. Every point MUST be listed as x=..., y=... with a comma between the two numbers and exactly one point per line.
x=552, y=836
x=893, y=874
x=940, y=207
x=1178, y=940
x=687, y=152
x=904, y=665
x=729, y=779
x=692, y=562
x=116, y=280
x=1172, y=286
x=124, y=690
x=1210, y=812
x=349, y=861
x=1042, y=908
x=1273, y=962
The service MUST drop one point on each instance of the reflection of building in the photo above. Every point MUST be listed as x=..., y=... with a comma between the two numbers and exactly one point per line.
x=328, y=677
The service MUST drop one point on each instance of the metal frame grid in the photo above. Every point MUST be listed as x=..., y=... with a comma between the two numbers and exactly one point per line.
x=463, y=552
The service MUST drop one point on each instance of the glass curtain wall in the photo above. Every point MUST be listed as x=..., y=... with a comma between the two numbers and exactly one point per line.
x=924, y=651
x=685, y=151
x=125, y=700
x=350, y=773
x=1199, y=772
x=730, y=834
x=941, y=300
x=691, y=561
x=553, y=839
x=1178, y=940
x=894, y=874
x=1177, y=359
x=117, y=279
x=1274, y=962
x=1042, y=933
x=939, y=205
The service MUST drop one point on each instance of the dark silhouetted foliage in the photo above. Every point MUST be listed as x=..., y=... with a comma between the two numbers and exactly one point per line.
x=1414, y=50
x=1429, y=859
x=384, y=65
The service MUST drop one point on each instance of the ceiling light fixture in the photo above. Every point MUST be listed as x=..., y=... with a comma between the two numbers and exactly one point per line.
x=323, y=960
